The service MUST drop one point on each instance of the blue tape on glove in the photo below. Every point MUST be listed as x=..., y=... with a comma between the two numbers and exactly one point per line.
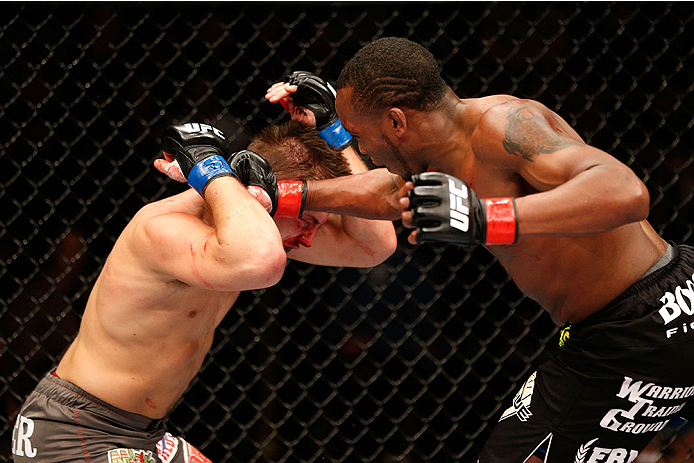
x=336, y=135
x=206, y=170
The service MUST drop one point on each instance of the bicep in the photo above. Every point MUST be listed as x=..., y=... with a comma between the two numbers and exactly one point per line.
x=580, y=188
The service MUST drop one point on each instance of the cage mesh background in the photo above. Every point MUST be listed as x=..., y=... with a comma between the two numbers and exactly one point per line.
x=413, y=360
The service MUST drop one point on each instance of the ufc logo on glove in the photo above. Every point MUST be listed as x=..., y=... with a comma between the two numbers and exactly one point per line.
x=444, y=208
x=194, y=127
x=460, y=213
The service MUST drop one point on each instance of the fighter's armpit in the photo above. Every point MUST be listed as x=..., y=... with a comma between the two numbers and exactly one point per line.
x=527, y=133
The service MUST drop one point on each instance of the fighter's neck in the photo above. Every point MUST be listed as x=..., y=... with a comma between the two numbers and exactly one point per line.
x=450, y=147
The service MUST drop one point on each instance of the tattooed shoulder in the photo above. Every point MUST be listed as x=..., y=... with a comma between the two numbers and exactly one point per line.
x=527, y=134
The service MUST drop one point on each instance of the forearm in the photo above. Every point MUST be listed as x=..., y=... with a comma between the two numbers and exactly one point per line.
x=354, y=160
x=370, y=195
x=237, y=214
x=349, y=242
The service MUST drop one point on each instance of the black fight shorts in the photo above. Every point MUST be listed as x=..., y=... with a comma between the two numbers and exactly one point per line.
x=621, y=375
x=60, y=422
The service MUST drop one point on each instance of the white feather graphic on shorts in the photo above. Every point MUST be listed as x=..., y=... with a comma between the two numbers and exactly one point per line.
x=583, y=451
x=521, y=402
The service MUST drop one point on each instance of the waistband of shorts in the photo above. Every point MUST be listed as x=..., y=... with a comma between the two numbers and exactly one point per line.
x=65, y=393
x=615, y=308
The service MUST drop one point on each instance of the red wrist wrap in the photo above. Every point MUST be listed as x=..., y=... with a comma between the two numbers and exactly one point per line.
x=290, y=203
x=502, y=226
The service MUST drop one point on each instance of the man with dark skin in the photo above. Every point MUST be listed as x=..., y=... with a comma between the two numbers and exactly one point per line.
x=565, y=219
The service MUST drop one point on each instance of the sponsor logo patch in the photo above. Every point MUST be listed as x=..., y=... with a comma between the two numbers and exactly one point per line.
x=194, y=127
x=564, y=335
x=23, y=430
x=460, y=212
x=167, y=448
x=645, y=415
x=521, y=402
x=587, y=453
x=195, y=455
x=130, y=456
x=678, y=303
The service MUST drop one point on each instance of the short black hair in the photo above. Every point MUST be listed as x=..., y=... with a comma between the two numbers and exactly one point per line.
x=393, y=71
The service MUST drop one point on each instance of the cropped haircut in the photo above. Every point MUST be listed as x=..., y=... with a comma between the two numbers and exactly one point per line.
x=393, y=72
x=296, y=152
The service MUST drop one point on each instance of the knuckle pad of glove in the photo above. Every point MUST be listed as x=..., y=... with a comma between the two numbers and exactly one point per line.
x=429, y=229
x=425, y=217
x=429, y=178
x=295, y=77
x=253, y=169
x=244, y=162
x=182, y=136
x=191, y=146
x=429, y=234
x=428, y=191
x=171, y=142
x=239, y=163
x=426, y=196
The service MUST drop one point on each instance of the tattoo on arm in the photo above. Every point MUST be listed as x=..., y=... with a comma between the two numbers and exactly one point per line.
x=528, y=134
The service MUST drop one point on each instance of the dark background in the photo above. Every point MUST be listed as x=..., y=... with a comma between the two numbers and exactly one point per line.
x=411, y=361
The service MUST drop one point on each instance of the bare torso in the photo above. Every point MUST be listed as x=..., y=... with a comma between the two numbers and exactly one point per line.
x=143, y=337
x=575, y=277
x=570, y=277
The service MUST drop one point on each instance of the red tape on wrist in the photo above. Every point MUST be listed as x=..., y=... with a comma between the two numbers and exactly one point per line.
x=502, y=226
x=290, y=202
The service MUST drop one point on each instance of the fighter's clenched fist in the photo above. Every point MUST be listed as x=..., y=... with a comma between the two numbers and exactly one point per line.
x=311, y=100
x=287, y=197
x=445, y=208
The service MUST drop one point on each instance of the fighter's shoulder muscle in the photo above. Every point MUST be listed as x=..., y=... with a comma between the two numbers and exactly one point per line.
x=521, y=128
x=166, y=224
x=188, y=202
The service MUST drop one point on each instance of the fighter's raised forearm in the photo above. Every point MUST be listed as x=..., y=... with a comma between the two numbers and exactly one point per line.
x=371, y=195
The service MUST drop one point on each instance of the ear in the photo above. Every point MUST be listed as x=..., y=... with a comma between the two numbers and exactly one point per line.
x=397, y=121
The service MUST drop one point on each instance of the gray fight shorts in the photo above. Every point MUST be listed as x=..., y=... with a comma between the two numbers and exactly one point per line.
x=59, y=422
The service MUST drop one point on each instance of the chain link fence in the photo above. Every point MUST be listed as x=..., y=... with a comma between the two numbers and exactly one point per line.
x=410, y=361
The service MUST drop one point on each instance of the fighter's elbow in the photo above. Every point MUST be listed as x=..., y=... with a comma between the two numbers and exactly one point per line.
x=270, y=265
x=381, y=249
x=389, y=244
x=259, y=263
x=640, y=199
x=636, y=201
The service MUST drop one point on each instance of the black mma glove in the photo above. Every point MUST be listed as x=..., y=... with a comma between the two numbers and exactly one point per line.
x=200, y=150
x=288, y=197
x=444, y=208
x=318, y=96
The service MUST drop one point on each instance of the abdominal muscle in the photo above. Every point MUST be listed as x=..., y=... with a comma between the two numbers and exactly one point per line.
x=574, y=277
x=142, y=360
x=149, y=386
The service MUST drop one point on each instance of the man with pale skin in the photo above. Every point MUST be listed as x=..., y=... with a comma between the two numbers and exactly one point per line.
x=565, y=219
x=171, y=277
